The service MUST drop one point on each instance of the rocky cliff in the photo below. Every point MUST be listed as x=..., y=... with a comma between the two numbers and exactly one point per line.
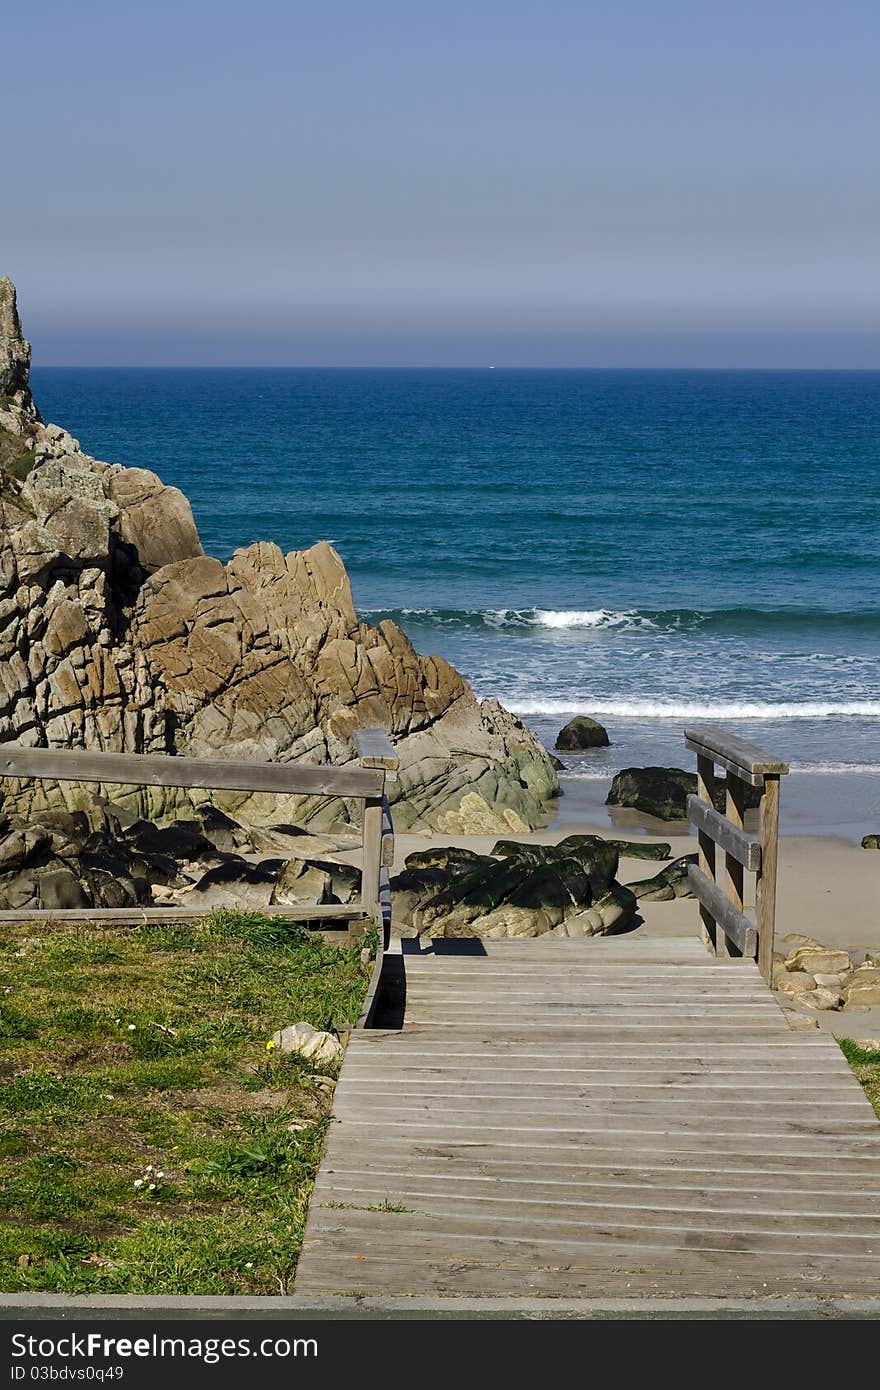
x=118, y=632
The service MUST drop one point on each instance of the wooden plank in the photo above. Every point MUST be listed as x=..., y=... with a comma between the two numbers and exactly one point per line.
x=738, y=927
x=765, y=909
x=858, y=1231
x=669, y=1175
x=160, y=770
x=375, y=749
x=618, y=1129
x=406, y=1152
x=141, y=916
x=769, y=1085
x=727, y=834
x=392, y=1084
x=651, y=1274
x=750, y=760
x=635, y=1188
x=406, y=1230
x=478, y=1116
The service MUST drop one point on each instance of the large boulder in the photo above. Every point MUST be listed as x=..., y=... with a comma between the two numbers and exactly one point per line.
x=662, y=792
x=567, y=889
x=117, y=632
x=581, y=733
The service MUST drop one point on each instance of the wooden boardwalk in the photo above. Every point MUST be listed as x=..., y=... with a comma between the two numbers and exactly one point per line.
x=610, y=1117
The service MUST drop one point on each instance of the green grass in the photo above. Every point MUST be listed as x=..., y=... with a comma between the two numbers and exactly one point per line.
x=865, y=1062
x=149, y=1142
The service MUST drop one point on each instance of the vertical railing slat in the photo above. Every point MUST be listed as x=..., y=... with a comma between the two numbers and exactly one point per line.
x=712, y=935
x=733, y=870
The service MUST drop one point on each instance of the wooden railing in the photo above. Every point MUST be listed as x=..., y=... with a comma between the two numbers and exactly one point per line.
x=726, y=928
x=365, y=780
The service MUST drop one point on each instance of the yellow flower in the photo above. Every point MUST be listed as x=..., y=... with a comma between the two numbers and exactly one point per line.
x=270, y=1045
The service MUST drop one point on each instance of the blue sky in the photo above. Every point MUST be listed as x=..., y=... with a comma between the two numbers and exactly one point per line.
x=646, y=182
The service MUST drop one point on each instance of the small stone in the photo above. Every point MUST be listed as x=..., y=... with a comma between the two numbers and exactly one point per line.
x=308, y=1042
x=819, y=960
x=861, y=996
x=799, y=1023
x=821, y=999
x=795, y=983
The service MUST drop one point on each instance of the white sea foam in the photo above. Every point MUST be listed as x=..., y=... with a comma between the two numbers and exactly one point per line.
x=626, y=619
x=574, y=774
x=698, y=709
x=838, y=769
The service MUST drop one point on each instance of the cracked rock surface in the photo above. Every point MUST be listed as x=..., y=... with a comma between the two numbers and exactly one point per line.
x=117, y=632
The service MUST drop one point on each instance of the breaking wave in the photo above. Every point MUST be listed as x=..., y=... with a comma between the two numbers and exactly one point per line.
x=734, y=621
x=698, y=709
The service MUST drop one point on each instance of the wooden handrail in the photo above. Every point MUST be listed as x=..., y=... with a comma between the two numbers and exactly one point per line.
x=214, y=774
x=726, y=928
x=746, y=760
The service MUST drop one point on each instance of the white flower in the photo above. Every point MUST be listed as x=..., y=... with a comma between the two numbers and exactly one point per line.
x=249, y=1265
x=138, y=1182
x=152, y=1187
x=131, y=1027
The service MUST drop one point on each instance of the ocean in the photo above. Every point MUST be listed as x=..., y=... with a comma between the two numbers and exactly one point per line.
x=648, y=547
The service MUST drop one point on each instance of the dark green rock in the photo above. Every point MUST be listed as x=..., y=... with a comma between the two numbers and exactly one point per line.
x=529, y=889
x=662, y=792
x=871, y=842
x=581, y=733
x=671, y=882
x=451, y=857
x=574, y=844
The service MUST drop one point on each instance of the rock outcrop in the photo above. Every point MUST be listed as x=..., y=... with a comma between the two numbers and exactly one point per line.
x=118, y=632
x=104, y=858
x=568, y=889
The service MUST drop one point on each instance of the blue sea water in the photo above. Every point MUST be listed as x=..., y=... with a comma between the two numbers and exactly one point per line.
x=650, y=547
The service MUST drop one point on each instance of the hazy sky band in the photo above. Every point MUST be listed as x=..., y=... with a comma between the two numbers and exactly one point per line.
x=648, y=183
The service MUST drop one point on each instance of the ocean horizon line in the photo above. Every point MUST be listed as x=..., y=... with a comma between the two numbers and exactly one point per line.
x=446, y=367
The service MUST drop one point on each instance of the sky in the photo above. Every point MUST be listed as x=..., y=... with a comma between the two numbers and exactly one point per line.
x=477, y=182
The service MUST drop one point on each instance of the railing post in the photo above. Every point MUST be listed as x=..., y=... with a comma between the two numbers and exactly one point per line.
x=375, y=751
x=712, y=937
x=765, y=902
x=372, y=855
x=735, y=811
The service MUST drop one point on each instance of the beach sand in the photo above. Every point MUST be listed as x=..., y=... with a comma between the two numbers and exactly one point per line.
x=828, y=888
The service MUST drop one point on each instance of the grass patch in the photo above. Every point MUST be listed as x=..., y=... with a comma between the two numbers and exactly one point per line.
x=149, y=1143
x=865, y=1062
